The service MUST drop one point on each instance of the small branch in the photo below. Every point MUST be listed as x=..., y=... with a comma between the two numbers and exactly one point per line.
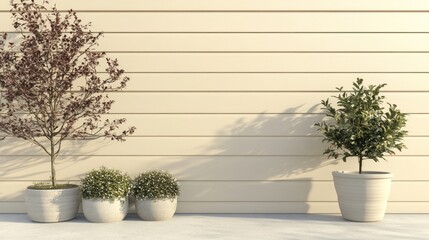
x=57, y=152
x=33, y=140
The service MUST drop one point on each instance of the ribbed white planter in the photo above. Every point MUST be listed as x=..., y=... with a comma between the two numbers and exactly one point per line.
x=363, y=197
x=156, y=210
x=52, y=205
x=104, y=211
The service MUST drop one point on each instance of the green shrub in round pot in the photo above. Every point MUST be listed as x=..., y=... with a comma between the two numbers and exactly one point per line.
x=105, y=195
x=156, y=195
x=361, y=127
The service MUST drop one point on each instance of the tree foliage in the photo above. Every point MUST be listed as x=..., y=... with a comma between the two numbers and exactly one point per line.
x=360, y=126
x=52, y=81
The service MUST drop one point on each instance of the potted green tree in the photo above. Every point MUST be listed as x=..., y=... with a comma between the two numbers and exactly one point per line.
x=156, y=195
x=361, y=127
x=52, y=91
x=105, y=195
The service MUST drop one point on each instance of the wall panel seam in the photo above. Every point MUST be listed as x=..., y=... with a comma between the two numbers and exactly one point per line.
x=244, y=32
x=257, y=201
x=227, y=181
x=238, y=11
x=214, y=156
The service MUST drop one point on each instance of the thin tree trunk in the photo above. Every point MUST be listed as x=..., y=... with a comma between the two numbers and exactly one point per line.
x=360, y=164
x=53, y=173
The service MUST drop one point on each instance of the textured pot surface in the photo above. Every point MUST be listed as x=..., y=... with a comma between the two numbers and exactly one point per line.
x=363, y=197
x=156, y=210
x=103, y=211
x=53, y=205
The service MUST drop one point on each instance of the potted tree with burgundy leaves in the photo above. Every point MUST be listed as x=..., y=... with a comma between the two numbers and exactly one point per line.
x=363, y=127
x=52, y=92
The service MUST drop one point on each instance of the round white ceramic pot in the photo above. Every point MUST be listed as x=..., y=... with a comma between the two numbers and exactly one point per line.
x=363, y=197
x=104, y=211
x=52, y=205
x=156, y=210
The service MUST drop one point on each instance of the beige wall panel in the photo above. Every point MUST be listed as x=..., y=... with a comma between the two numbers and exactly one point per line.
x=272, y=81
x=178, y=146
x=249, y=21
x=417, y=125
x=226, y=207
x=257, y=42
x=224, y=146
x=203, y=102
x=240, y=5
x=296, y=191
x=227, y=124
x=272, y=62
x=264, y=42
x=289, y=207
x=258, y=207
x=246, y=125
x=36, y=168
x=243, y=124
x=259, y=125
x=408, y=207
x=279, y=191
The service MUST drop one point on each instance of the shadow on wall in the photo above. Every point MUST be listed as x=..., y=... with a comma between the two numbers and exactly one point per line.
x=289, y=138
x=21, y=160
x=259, y=161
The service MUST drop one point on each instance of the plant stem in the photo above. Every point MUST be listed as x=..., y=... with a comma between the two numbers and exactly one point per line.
x=360, y=164
x=51, y=128
x=53, y=173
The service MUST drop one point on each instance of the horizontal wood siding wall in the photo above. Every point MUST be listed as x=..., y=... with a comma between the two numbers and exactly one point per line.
x=224, y=94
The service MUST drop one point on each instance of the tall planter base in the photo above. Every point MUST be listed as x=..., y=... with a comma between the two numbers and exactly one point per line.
x=363, y=197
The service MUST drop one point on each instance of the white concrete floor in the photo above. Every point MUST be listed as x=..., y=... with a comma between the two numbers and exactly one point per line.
x=221, y=226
